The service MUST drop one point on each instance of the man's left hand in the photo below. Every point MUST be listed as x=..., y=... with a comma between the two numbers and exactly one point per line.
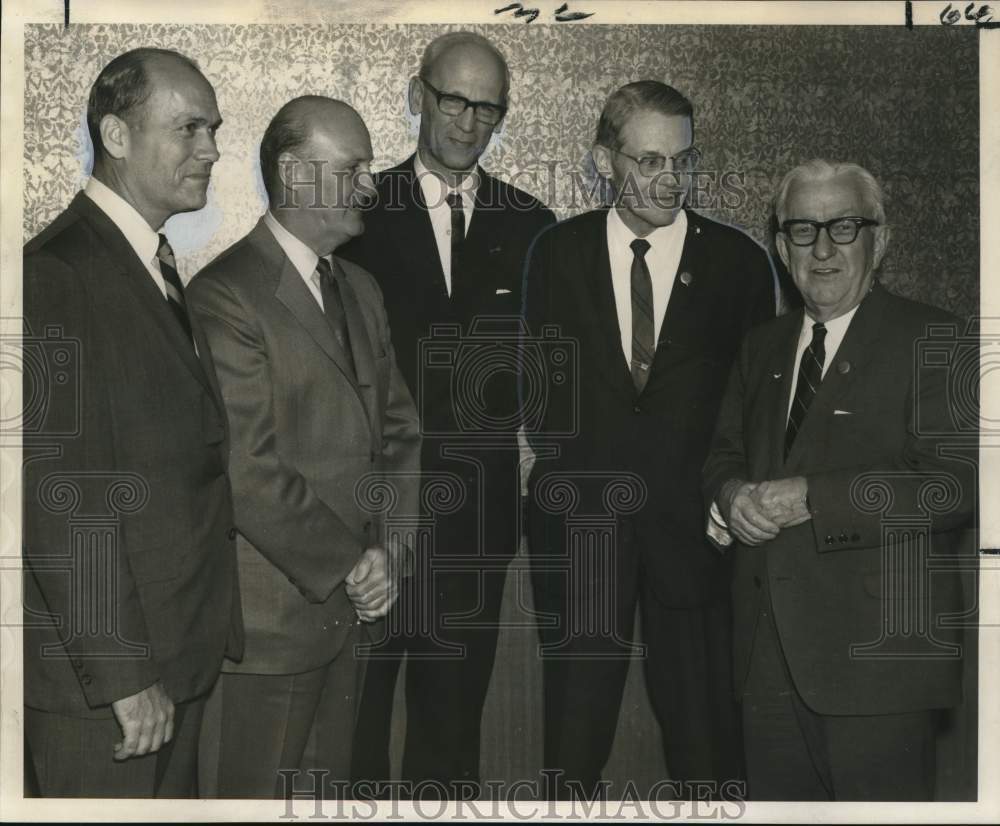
x=783, y=501
x=373, y=584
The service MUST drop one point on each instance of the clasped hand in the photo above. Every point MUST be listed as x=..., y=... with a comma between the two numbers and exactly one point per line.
x=757, y=511
x=373, y=583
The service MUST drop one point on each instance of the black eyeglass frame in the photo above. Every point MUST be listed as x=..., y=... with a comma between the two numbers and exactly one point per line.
x=691, y=151
x=858, y=222
x=477, y=105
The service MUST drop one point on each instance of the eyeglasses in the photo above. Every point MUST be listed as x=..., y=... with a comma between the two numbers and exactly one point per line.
x=684, y=161
x=803, y=233
x=454, y=105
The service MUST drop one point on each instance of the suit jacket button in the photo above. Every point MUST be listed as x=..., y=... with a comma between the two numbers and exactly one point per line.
x=637, y=409
x=842, y=537
x=77, y=664
x=829, y=539
x=756, y=581
x=855, y=537
x=86, y=680
x=232, y=534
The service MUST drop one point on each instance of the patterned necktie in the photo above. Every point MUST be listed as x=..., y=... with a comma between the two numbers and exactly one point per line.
x=643, y=340
x=333, y=305
x=172, y=282
x=457, y=236
x=810, y=375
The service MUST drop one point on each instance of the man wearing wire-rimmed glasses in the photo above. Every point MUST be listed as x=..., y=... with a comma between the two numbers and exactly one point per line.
x=658, y=297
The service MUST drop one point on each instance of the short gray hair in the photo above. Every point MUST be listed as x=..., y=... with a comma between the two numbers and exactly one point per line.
x=819, y=169
x=649, y=95
x=439, y=45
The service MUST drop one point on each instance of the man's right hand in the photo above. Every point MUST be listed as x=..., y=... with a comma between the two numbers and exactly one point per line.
x=147, y=721
x=742, y=514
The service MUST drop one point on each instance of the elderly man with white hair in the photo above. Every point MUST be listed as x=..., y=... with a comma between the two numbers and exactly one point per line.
x=834, y=476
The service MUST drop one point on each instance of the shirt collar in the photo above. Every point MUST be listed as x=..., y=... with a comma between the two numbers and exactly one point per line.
x=620, y=235
x=835, y=327
x=140, y=236
x=435, y=190
x=302, y=257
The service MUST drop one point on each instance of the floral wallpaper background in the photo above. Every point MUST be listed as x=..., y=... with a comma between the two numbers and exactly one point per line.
x=904, y=104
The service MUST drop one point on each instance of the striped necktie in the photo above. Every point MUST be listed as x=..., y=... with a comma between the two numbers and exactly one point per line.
x=172, y=283
x=643, y=340
x=457, y=236
x=810, y=376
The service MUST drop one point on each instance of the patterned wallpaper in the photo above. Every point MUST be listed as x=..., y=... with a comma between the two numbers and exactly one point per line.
x=903, y=103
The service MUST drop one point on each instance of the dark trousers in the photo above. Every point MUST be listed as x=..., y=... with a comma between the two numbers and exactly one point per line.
x=276, y=728
x=586, y=623
x=793, y=753
x=446, y=624
x=72, y=757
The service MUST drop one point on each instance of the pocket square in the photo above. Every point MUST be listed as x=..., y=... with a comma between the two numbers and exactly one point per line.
x=502, y=291
x=843, y=412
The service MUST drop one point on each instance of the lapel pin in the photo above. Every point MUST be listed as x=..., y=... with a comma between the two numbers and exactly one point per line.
x=776, y=375
x=686, y=278
x=844, y=367
x=697, y=230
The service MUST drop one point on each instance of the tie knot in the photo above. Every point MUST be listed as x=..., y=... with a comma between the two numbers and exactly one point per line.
x=640, y=246
x=165, y=252
x=819, y=330
x=455, y=200
x=325, y=271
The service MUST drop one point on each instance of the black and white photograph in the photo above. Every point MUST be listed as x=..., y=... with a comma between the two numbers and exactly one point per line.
x=508, y=411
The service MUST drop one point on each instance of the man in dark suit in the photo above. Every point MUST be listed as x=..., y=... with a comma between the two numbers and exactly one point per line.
x=447, y=244
x=836, y=466
x=130, y=583
x=317, y=408
x=655, y=298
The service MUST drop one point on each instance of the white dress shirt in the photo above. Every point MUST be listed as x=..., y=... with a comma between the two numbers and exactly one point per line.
x=436, y=192
x=140, y=236
x=836, y=329
x=302, y=257
x=662, y=259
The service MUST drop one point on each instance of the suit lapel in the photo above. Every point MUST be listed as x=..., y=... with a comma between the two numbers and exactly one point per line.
x=858, y=346
x=292, y=291
x=595, y=260
x=139, y=283
x=361, y=346
x=780, y=370
x=417, y=232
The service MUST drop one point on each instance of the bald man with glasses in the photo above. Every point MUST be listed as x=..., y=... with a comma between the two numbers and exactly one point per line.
x=447, y=243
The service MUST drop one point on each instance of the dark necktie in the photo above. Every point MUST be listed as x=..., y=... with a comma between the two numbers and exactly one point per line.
x=457, y=236
x=810, y=375
x=643, y=339
x=333, y=305
x=174, y=288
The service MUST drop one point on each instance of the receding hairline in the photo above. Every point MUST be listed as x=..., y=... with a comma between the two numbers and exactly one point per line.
x=446, y=43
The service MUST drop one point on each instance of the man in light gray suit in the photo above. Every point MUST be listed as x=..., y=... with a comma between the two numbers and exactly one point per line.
x=315, y=403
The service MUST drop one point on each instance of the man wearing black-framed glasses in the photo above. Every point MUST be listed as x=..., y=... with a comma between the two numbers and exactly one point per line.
x=447, y=243
x=831, y=433
x=658, y=297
